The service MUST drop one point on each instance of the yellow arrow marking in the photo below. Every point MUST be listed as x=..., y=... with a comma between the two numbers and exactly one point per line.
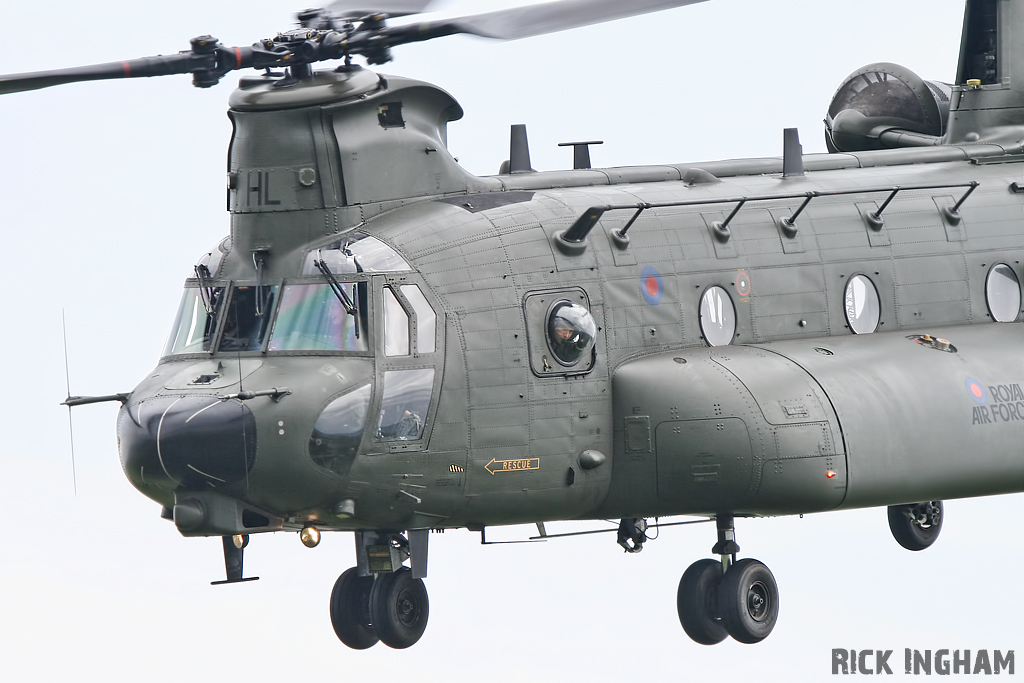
x=519, y=465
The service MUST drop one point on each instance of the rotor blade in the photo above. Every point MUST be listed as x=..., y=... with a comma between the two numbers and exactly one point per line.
x=134, y=68
x=361, y=8
x=535, y=20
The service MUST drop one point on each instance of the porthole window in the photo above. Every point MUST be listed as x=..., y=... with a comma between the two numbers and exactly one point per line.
x=717, y=317
x=861, y=304
x=571, y=332
x=1002, y=292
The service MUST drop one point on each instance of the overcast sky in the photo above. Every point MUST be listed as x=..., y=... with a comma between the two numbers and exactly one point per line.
x=110, y=191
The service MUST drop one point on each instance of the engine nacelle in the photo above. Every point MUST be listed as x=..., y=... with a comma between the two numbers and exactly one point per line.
x=734, y=428
x=809, y=425
x=885, y=105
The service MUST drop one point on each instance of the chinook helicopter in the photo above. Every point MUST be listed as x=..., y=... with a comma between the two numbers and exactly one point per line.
x=248, y=305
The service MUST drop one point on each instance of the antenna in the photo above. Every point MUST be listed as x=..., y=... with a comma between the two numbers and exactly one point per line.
x=792, y=154
x=519, y=150
x=67, y=379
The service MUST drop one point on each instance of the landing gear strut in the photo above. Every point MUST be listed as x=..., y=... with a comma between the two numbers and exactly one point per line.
x=916, y=526
x=727, y=597
x=380, y=599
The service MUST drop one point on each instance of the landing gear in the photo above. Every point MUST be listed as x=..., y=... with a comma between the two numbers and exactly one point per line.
x=727, y=597
x=748, y=600
x=916, y=526
x=697, y=602
x=399, y=608
x=380, y=599
x=350, y=610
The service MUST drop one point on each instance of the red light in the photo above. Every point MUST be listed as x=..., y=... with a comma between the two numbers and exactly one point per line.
x=830, y=474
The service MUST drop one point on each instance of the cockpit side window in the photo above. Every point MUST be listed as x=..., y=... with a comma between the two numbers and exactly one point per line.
x=403, y=410
x=247, y=318
x=196, y=322
x=426, y=320
x=396, y=326
x=312, y=318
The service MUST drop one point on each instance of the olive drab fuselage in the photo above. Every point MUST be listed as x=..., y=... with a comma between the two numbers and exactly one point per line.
x=436, y=383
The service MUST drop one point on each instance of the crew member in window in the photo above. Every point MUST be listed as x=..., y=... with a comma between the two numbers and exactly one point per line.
x=410, y=426
x=567, y=340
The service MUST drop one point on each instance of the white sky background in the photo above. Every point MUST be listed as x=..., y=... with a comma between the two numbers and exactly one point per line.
x=110, y=191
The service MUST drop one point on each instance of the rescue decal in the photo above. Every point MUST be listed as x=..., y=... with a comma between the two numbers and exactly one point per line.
x=517, y=465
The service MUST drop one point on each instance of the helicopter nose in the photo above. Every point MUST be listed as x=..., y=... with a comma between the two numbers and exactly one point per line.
x=188, y=441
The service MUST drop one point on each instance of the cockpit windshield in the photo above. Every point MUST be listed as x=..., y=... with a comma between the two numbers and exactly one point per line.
x=247, y=318
x=196, y=322
x=313, y=318
x=295, y=317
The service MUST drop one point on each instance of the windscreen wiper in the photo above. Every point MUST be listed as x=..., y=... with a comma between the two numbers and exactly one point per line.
x=203, y=274
x=339, y=292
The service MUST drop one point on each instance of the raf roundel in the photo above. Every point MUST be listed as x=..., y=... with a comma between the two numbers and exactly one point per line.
x=743, y=284
x=651, y=286
x=977, y=390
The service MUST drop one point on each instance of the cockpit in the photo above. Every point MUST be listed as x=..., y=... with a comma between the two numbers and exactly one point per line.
x=327, y=308
x=355, y=297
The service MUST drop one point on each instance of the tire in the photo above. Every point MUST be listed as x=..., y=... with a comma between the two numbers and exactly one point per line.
x=399, y=608
x=909, y=532
x=748, y=601
x=350, y=610
x=697, y=602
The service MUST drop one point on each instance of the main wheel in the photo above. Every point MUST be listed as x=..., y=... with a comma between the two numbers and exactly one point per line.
x=350, y=610
x=399, y=608
x=916, y=527
x=697, y=602
x=748, y=601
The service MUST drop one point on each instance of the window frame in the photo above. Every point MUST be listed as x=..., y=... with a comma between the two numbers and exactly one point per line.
x=700, y=317
x=878, y=299
x=1020, y=292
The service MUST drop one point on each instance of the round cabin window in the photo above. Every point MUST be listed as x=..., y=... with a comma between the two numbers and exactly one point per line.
x=1002, y=292
x=861, y=305
x=717, y=317
x=571, y=332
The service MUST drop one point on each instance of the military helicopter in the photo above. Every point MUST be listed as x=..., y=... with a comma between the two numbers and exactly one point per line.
x=367, y=316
